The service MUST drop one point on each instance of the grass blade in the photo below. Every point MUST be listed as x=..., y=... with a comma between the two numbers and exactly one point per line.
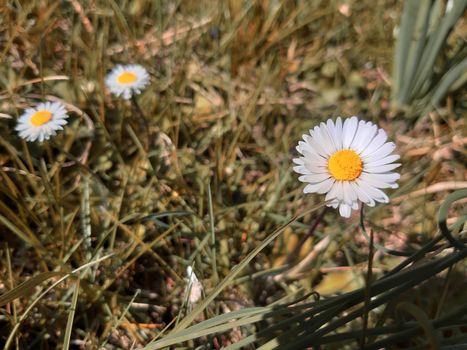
x=25, y=288
x=71, y=315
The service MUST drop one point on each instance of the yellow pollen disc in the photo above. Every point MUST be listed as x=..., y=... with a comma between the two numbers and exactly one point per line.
x=345, y=165
x=40, y=118
x=127, y=78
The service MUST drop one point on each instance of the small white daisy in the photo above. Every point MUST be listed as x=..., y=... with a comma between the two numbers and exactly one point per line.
x=350, y=161
x=127, y=80
x=42, y=121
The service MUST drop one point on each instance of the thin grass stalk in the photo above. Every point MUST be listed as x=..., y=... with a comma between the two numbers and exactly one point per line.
x=12, y=284
x=215, y=275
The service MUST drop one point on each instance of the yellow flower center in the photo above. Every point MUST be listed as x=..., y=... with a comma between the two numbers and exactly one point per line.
x=40, y=117
x=127, y=78
x=345, y=165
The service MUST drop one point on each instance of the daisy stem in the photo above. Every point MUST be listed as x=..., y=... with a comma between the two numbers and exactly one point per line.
x=367, y=289
x=143, y=118
x=296, y=251
x=137, y=106
x=381, y=248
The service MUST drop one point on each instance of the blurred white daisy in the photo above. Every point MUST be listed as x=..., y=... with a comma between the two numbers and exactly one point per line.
x=127, y=80
x=194, y=287
x=350, y=161
x=42, y=121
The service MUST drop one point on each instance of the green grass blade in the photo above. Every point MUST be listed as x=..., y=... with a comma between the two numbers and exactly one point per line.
x=456, y=76
x=418, y=37
x=442, y=217
x=436, y=42
x=71, y=316
x=403, y=44
x=25, y=288
x=29, y=239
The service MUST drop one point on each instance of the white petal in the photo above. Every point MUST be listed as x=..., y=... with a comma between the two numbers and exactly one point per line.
x=21, y=127
x=316, y=166
x=350, y=127
x=373, y=192
x=313, y=156
x=367, y=134
x=322, y=139
x=384, y=151
x=301, y=170
x=311, y=188
x=388, y=177
x=308, y=145
x=376, y=143
x=298, y=161
x=338, y=133
x=310, y=154
x=362, y=195
x=361, y=129
x=319, y=161
x=305, y=146
x=314, y=145
x=313, y=178
x=60, y=122
x=329, y=129
x=349, y=194
x=332, y=194
x=380, y=180
x=345, y=210
x=326, y=185
x=339, y=190
x=380, y=168
x=383, y=161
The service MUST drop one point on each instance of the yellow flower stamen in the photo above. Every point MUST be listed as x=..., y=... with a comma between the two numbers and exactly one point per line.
x=40, y=118
x=127, y=78
x=345, y=165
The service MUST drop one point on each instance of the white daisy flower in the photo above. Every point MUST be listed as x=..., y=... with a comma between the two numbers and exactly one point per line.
x=127, y=80
x=42, y=121
x=350, y=161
